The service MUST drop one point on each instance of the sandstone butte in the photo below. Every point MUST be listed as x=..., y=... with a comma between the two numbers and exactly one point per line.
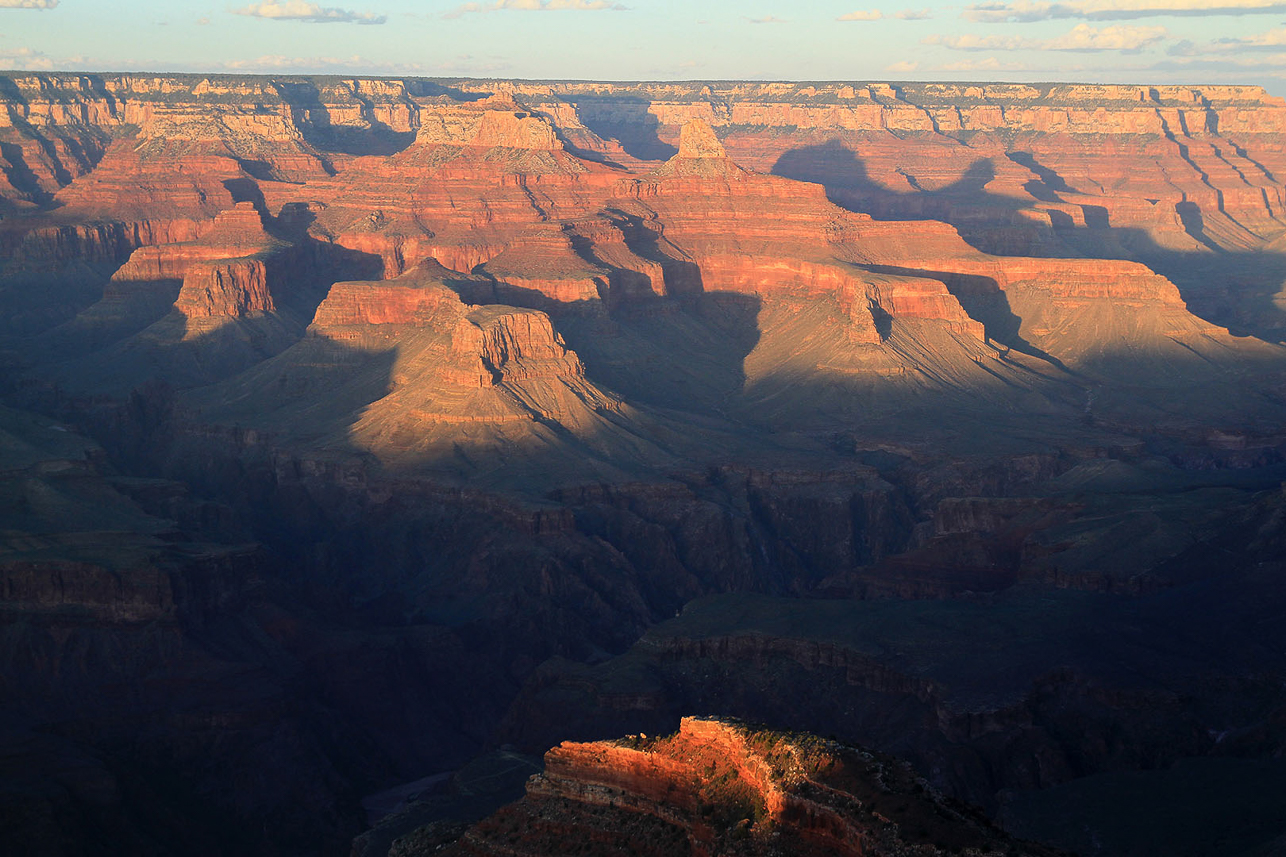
x=721, y=787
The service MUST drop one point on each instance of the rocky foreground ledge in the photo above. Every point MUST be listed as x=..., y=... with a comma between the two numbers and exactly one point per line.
x=719, y=786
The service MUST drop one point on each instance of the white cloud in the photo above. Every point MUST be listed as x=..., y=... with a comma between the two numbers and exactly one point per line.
x=28, y=4
x=203, y=22
x=914, y=15
x=1118, y=37
x=1018, y=10
x=25, y=59
x=970, y=42
x=301, y=10
x=767, y=19
x=1082, y=37
x=902, y=66
x=536, y=6
x=1270, y=40
x=988, y=64
x=278, y=62
x=1269, y=61
x=1234, y=67
x=463, y=64
x=1105, y=10
x=865, y=15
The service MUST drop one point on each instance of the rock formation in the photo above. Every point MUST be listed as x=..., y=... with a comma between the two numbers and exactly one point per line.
x=721, y=787
x=410, y=413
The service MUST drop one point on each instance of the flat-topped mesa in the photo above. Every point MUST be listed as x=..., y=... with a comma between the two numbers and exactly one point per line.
x=412, y=298
x=927, y=248
x=543, y=259
x=487, y=365
x=516, y=130
x=1123, y=283
x=236, y=232
x=522, y=345
x=236, y=227
x=228, y=289
x=127, y=185
x=236, y=284
x=223, y=273
x=248, y=133
x=503, y=370
x=193, y=123
x=504, y=126
x=856, y=291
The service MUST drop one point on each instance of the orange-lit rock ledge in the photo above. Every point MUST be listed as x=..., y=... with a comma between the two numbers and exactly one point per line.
x=719, y=786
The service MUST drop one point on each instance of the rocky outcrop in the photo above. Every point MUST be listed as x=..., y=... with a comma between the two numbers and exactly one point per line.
x=221, y=274
x=543, y=259
x=496, y=122
x=228, y=290
x=721, y=787
x=409, y=299
x=697, y=140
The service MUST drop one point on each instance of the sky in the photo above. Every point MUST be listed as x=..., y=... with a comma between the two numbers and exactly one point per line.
x=1111, y=41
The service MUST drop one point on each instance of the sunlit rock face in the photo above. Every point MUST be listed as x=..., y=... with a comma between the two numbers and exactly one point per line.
x=368, y=424
x=721, y=787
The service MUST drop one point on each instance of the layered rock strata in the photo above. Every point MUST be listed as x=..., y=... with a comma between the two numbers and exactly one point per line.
x=502, y=374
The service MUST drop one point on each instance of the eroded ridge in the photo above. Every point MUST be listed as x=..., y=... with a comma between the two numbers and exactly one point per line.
x=719, y=786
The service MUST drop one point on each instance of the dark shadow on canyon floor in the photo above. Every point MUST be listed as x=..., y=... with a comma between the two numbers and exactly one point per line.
x=630, y=123
x=313, y=118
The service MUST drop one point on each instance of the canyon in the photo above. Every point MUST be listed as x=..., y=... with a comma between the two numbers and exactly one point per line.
x=356, y=430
